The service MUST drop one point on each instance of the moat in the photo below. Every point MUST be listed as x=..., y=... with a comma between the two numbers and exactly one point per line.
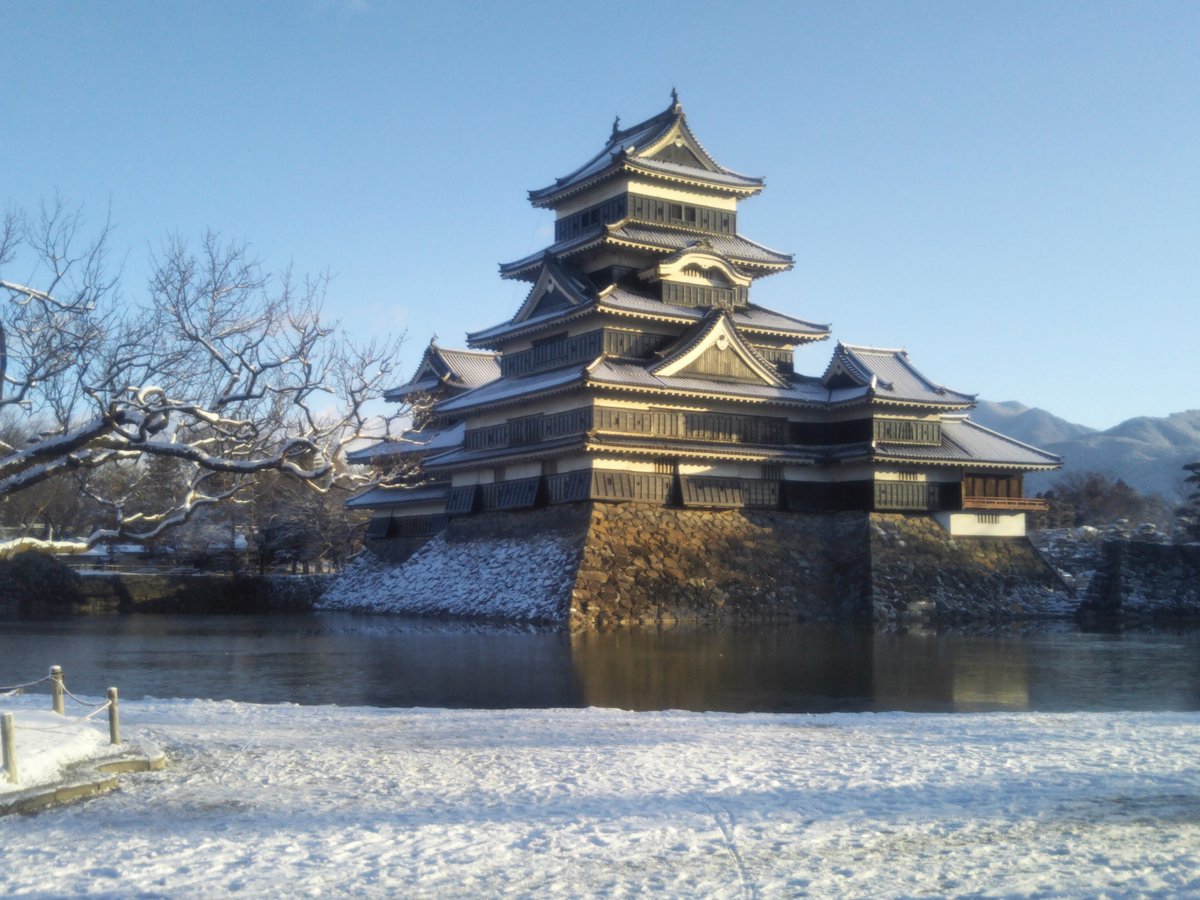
x=351, y=660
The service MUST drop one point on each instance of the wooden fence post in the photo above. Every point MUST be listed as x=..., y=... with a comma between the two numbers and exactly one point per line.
x=56, y=688
x=114, y=717
x=8, y=743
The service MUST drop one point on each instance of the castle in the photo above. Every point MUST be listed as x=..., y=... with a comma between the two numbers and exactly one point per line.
x=638, y=370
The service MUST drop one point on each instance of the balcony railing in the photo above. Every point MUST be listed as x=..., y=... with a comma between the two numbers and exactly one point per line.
x=1031, y=504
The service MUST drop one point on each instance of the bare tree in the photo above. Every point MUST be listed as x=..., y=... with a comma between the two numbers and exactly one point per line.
x=224, y=368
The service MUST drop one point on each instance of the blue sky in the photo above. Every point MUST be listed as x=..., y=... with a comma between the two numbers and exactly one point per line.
x=1010, y=191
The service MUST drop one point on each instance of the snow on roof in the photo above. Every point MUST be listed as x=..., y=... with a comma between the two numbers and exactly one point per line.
x=506, y=390
x=634, y=375
x=426, y=441
x=463, y=369
x=396, y=496
x=662, y=238
x=964, y=441
x=891, y=376
x=623, y=146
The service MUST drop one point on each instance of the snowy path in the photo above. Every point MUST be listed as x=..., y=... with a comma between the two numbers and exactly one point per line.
x=302, y=800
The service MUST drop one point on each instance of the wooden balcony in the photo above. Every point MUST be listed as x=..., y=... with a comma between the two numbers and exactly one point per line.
x=1024, y=504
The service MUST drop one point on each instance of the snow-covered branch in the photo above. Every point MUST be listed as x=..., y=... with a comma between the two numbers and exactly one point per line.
x=224, y=374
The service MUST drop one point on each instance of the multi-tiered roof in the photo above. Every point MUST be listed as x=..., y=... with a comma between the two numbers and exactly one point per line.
x=638, y=341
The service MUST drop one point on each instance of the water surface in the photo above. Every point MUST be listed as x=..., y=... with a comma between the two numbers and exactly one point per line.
x=351, y=660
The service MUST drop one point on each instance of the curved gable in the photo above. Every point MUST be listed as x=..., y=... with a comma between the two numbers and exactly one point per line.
x=699, y=264
x=717, y=351
x=553, y=291
x=678, y=145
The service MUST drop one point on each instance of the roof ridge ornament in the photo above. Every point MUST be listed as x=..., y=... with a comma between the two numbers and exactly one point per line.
x=675, y=99
x=616, y=129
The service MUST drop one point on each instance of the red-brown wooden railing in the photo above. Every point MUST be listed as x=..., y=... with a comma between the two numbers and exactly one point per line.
x=1025, y=503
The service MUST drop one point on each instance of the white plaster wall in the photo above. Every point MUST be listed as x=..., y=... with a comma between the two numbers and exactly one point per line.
x=804, y=473
x=573, y=400
x=930, y=476
x=472, y=476
x=414, y=509
x=696, y=197
x=624, y=464
x=967, y=524
x=574, y=204
x=514, y=471
x=572, y=463
x=614, y=188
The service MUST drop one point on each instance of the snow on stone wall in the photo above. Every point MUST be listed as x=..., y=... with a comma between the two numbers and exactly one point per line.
x=526, y=578
x=1145, y=580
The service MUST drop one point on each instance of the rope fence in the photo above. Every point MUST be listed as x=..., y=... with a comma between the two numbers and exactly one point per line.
x=8, y=727
x=14, y=689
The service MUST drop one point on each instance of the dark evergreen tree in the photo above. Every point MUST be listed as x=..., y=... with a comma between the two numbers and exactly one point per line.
x=1189, y=513
x=1092, y=498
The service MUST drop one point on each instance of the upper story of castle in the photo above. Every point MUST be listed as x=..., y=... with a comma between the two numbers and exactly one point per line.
x=652, y=212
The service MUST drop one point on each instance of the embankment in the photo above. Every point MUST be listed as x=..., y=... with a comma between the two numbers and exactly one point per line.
x=594, y=565
x=1144, y=581
x=33, y=584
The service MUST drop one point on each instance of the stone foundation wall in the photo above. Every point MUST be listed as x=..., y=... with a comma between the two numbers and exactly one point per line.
x=398, y=550
x=514, y=566
x=594, y=565
x=1139, y=580
x=922, y=575
x=652, y=564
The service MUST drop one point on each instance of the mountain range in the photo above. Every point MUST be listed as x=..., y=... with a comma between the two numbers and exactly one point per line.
x=1147, y=453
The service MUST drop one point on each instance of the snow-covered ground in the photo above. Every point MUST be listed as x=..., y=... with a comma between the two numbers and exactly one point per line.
x=265, y=800
x=46, y=743
x=524, y=579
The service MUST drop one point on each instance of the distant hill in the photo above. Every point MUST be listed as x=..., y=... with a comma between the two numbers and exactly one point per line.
x=1147, y=453
x=1031, y=425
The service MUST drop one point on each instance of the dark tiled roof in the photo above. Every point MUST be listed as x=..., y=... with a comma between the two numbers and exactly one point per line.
x=726, y=176
x=529, y=267
x=509, y=390
x=491, y=337
x=750, y=318
x=427, y=441
x=471, y=368
x=417, y=386
x=737, y=248
x=626, y=301
x=396, y=496
x=464, y=457
x=581, y=292
x=656, y=238
x=627, y=443
x=632, y=376
x=965, y=443
x=891, y=376
x=622, y=148
x=464, y=369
